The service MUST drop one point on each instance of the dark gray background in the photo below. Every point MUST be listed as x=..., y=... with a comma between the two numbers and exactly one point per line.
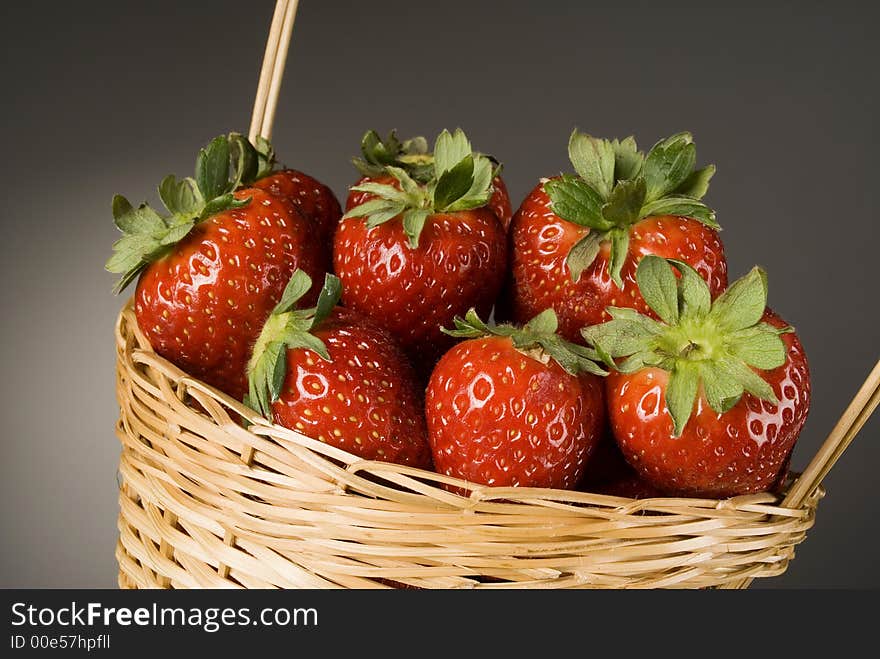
x=104, y=97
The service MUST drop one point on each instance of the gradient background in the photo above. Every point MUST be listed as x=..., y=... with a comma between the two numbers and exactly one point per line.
x=105, y=97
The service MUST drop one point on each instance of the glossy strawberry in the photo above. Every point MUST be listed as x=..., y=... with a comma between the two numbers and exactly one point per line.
x=709, y=399
x=415, y=255
x=210, y=273
x=314, y=200
x=514, y=407
x=336, y=377
x=413, y=157
x=255, y=166
x=576, y=240
x=608, y=472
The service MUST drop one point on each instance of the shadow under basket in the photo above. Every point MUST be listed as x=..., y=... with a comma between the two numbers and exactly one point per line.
x=205, y=502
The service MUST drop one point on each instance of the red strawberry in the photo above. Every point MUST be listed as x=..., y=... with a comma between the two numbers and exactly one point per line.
x=254, y=166
x=336, y=377
x=609, y=473
x=576, y=240
x=315, y=201
x=414, y=256
x=514, y=406
x=711, y=398
x=211, y=272
x=412, y=156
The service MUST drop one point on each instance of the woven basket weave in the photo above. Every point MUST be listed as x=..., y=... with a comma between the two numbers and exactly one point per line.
x=205, y=502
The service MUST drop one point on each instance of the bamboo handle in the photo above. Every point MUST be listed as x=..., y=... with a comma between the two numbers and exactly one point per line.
x=850, y=423
x=272, y=71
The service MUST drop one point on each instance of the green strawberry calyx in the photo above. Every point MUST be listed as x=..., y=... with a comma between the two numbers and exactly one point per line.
x=287, y=328
x=617, y=185
x=410, y=155
x=714, y=347
x=221, y=167
x=537, y=339
x=459, y=180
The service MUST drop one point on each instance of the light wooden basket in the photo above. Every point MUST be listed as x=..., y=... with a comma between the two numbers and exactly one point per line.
x=206, y=502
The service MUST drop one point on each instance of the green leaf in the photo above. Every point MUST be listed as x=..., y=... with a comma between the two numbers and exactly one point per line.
x=450, y=150
x=658, y=286
x=454, y=183
x=142, y=220
x=327, y=299
x=409, y=187
x=389, y=212
x=722, y=391
x=743, y=303
x=278, y=358
x=223, y=203
x=468, y=327
x=121, y=207
x=129, y=251
x=681, y=393
x=266, y=377
x=696, y=299
x=306, y=341
x=583, y=254
x=759, y=346
x=176, y=233
x=413, y=223
x=622, y=338
x=480, y=189
x=574, y=200
x=244, y=158
x=373, y=148
x=593, y=160
x=212, y=168
x=748, y=379
x=628, y=160
x=383, y=191
x=544, y=323
x=668, y=164
x=697, y=184
x=300, y=284
x=180, y=197
x=625, y=202
x=265, y=155
x=376, y=211
x=619, y=252
x=414, y=146
x=127, y=278
x=683, y=207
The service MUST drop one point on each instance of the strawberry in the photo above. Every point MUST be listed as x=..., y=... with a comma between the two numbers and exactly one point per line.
x=710, y=398
x=576, y=240
x=412, y=156
x=514, y=407
x=334, y=376
x=609, y=473
x=314, y=200
x=211, y=271
x=414, y=255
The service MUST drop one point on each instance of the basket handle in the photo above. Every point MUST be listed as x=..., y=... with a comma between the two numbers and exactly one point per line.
x=850, y=423
x=274, y=59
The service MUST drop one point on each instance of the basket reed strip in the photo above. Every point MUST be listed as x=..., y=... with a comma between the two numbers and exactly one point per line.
x=274, y=59
x=850, y=423
x=278, y=69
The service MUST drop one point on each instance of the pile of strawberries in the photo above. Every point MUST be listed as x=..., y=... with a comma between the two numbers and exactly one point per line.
x=619, y=360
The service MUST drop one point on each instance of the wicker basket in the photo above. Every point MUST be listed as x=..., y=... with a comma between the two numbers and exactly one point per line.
x=206, y=503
